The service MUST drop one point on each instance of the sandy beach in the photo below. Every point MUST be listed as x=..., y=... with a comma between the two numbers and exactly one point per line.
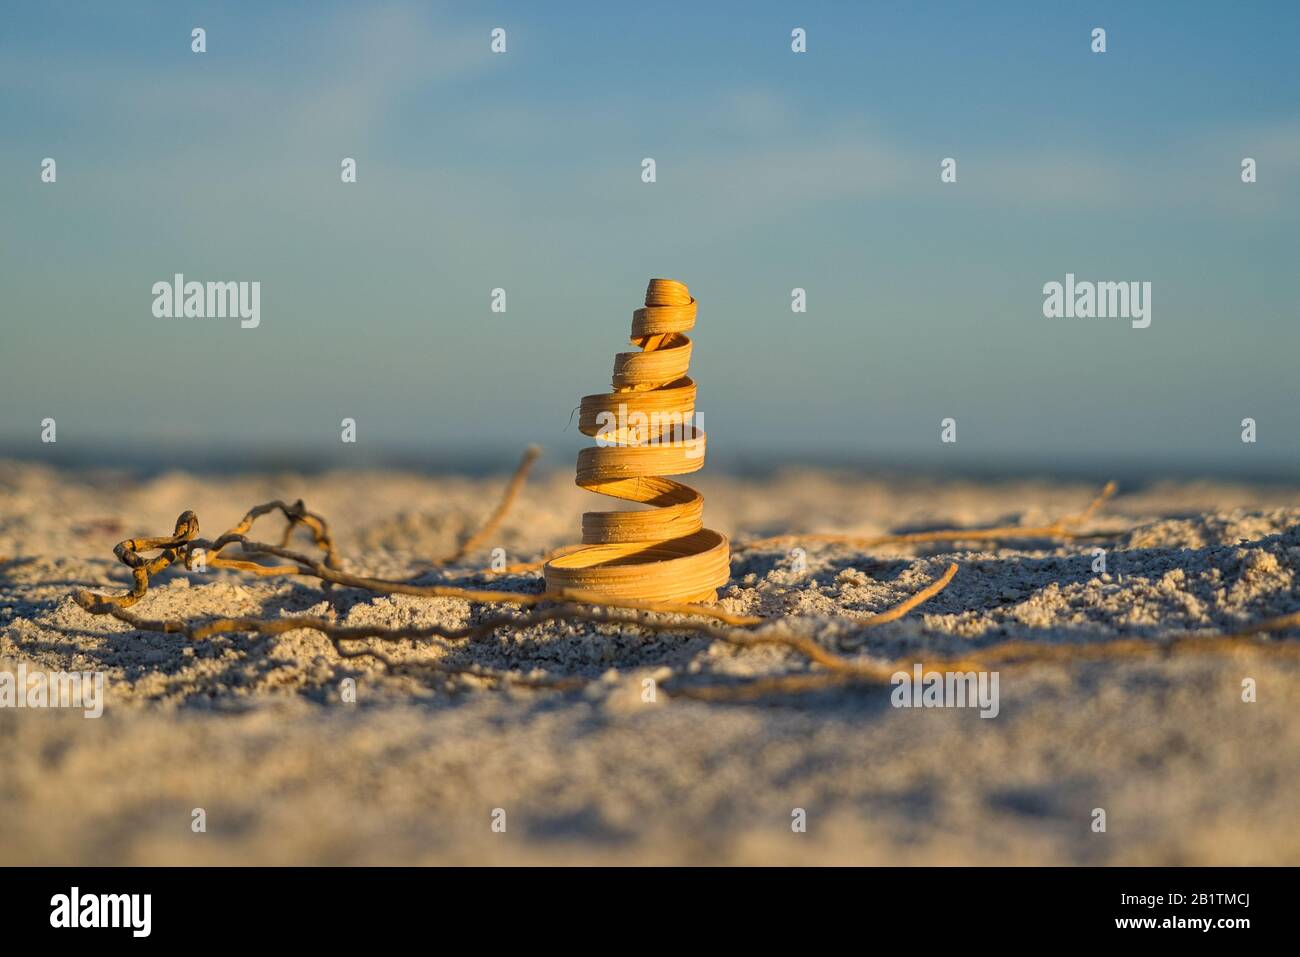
x=257, y=732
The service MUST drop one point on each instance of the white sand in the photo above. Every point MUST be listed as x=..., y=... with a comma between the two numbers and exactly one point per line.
x=253, y=730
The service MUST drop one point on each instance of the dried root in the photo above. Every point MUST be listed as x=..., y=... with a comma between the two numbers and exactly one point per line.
x=708, y=621
x=1065, y=528
x=475, y=541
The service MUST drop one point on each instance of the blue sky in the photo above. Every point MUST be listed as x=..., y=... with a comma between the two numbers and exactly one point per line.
x=775, y=170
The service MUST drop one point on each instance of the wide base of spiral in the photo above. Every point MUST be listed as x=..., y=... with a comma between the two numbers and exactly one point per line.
x=687, y=569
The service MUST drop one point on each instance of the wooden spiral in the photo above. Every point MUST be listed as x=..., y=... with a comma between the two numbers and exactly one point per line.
x=645, y=430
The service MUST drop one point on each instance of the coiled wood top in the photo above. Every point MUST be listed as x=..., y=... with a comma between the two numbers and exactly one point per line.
x=645, y=430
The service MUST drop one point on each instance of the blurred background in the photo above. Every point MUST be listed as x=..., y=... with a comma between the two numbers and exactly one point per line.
x=775, y=170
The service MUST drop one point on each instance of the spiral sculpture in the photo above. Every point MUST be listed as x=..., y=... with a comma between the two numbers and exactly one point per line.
x=645, y=430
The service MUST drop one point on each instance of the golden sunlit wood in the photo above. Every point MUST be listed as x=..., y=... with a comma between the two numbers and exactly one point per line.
x=646, y=430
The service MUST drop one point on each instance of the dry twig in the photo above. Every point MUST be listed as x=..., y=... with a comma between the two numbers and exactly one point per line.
x=476, y=540
x=1066, y=527
x=713, y=623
